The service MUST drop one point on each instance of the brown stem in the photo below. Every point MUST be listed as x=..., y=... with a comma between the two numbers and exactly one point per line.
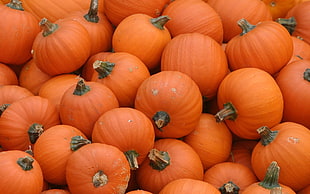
x=307, y=74
x=34, y=132
x=161, y=119
x=3, y=107
x=25, y=163
x=271, y=179
x=159, y=160
x=29, y=151
x=288, y=23
x=92, y=15
x=103, y=68
x=100, y=179
x=132, y=156
x=267, y=136
x=81, y=88
x=15, y=4
x=77, y=142
x=160, y=21
x=47, y=27
x=276, y=190
x=229, y=188
x=228, y=112
x=245, y=26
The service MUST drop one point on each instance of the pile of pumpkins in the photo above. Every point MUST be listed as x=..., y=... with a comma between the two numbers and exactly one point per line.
x=155, y=96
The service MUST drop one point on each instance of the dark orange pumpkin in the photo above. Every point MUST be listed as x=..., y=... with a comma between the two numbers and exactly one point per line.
x=16, y=37
x=55, y=191
x=172, y=100
x=305, y=190
x=139, y=191
x=97, y=168
x=279, y=8
x=7, y=75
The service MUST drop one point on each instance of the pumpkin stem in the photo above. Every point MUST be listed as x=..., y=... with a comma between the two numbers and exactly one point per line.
x=92, y=15
x=267, y=136
x=104, y=68
x=100, y=179
x=77, y=142
x=81, y=88
x=159, y=160
x=288, y=23
x=161, y=119
x=132, y=156
x=29, y=151
x=47, y=27
x=271, y=179
x=245, y=26
x=15, y=4
x=307, y=74
x=228, y=112
x=25, y=163
x=34, y=132
x=276, y=190
x=3, y=107
x=160, y=21
x=229, y=188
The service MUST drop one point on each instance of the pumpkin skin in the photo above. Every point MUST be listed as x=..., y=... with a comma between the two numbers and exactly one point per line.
x=16, y=37
x=279, y=8
x=295, y=91
x=170, y=159
x=172, y=100
x=104, y=160
x=19, y=119
x=127, y=37
x=27, y=179
x=52, y=150
x=266, y=45
x=211, y=140
x=7, y=75
x=252, y=107
x=50, y=47
x=304, y=190
x=136, y=128
x=230, y=11
x=138, y=192
x=288, y=142
x=194, y=16
x=177, y=57
x=223, y=173
x=301, y=49
x=118, y=69
x=55, y=191
x=87, y=100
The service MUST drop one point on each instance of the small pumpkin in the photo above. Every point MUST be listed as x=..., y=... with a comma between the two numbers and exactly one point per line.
x=279, y=8
x=7, y=75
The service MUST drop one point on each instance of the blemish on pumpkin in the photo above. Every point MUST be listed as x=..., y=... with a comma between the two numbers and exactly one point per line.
x=293, y=140
x=174, y=90
x=130, y=69
x=129, y=121
x=154, y=92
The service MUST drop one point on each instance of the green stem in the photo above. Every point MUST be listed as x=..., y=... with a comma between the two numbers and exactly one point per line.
x=47, y=27
x=15, y=4
x=288, y=23
x=92, y=15
x=100, y=179
x=103, y=68
x=34, y=132
x=161, y=119
x=160, y=21
x=132, y=156
x=307, y=74
x=25, y=163
x=77, y=142
x=228, y=112
x=159, y=160
x=229, y=188
x=267, y=136
x=81, y=88
x=271, y=179
x=245, y=26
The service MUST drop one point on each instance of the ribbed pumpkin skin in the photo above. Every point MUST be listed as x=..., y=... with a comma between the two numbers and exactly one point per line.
x=205, y=56
x=257, y=189
x=255, y=106
x=301, y=49
x=7, y=75
x=174, y=93
x=16, y=37
x=11, y=93
x=268, y=46
x=287, y=148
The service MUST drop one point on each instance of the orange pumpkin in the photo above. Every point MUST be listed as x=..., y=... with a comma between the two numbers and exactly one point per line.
x=97, y=168
x=279, y=8
x=7, y=75
x=50, y=47
x=301, y=48
x=305, y=190
x=55, y=191
x=127, y=37
x=20, y=173
x=285, y=143
x=194, y=16
x=16, y=37
x=169, y=160
x=139, y=191
x=172, y=100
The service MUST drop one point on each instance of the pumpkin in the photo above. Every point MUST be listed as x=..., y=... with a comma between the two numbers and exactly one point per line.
x=266, y=45
x=118, y=10
x=279, y=8
x=288, y=142
x=206, y=56
x=127, y=37
x=172, y=100
x=135, y=128
x=223, y=177
x=98, y=26
x=16, y=37
x=120, y=69
x=55, y=191
x=270, y=181
x=7, y=75
x=187, y=185
x=170, y=159
x=25, y=120
x=53, y=148
x=211, y=140
x=27, y=75
x=304, y=190
x=230, y=11
x=139, y=191
x=50, y=46
x=194, y=16
x=97, y=168
x=245, y=108
x=20, y=173
x=295, y=90
x=301, y=49
x=86, y=100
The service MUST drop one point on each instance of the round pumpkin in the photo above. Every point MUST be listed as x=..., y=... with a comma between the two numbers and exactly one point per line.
x=7, y=75
x=279, y=8
x=139, y=191
x=55, y=191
